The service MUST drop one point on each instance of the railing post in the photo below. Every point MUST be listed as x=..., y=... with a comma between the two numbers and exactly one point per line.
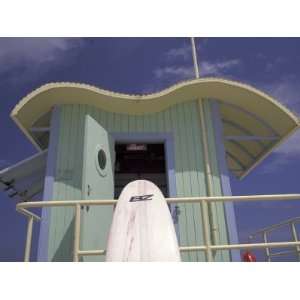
x=295, y=236
x=206, y=230
x=267, y=249
x=28, y=239
x=76, y=233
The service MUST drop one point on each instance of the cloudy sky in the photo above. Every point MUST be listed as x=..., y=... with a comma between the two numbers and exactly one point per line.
x=145, y=65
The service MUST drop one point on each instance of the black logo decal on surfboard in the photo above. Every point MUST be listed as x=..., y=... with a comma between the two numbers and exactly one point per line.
x=141, y=198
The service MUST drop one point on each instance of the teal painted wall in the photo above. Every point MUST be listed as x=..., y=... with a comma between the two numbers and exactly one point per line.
x=182, y=120
x=97, y=183
x=68, y=181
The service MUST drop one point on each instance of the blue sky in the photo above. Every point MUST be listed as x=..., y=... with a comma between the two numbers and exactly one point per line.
x=144, y=65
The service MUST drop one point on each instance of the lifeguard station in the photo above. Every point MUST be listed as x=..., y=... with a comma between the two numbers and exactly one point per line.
x=186, y=139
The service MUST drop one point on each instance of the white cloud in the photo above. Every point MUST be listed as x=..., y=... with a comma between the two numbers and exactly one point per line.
x=182, y=72
x=164, y=76
x=286, y=90
x=206, y=69
x=218, y=68
x=174, y=72
x=33, y=49
x=30, y=55
x=184, y=52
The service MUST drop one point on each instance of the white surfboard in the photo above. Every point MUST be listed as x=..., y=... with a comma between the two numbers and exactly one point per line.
x=142, y=228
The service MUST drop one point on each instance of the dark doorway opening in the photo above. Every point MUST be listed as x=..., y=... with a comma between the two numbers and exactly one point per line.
x=140, y=161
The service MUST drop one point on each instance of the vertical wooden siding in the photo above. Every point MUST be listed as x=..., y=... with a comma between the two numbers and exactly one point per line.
x=182, y=120
x=67, y=181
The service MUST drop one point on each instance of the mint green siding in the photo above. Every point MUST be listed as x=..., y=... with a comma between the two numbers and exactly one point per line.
x=182, y=121
x=68, y=179
x=97, y=183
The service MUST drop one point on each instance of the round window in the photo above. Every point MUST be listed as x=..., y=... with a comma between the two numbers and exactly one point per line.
x=101, y=159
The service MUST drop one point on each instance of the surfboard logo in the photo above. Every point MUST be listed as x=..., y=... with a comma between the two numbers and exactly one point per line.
x=141, y=198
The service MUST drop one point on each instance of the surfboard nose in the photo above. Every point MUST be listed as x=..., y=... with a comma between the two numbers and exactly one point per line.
x=140, y=191
x=142, y=227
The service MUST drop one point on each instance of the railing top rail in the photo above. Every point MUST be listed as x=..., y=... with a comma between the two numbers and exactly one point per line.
x=169, y=200
x=55, y=203
x=274, y=197
x=275, y=226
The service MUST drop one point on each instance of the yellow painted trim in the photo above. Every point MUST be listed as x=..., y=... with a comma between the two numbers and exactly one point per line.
x=203, y=88
x=43, y=99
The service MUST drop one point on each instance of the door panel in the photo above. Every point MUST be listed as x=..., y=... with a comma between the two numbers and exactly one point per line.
x=98, y=183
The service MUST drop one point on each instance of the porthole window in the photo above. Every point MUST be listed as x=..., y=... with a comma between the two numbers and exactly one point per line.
x=101, y=159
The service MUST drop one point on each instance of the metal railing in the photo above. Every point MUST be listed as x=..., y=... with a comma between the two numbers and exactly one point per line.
x=291, y=224
x=207, y=247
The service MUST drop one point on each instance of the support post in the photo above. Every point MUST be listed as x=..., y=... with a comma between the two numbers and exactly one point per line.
x=206, y=230
x=208, y=174
x=76, y=233
x=267, y=249
x=295, y=236
x=28, y=239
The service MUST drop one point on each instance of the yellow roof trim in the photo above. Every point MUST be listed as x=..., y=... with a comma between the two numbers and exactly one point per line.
x=42, y=100
x=207, y=84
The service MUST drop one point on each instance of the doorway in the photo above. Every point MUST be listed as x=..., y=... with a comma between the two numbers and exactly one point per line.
x=140, y=161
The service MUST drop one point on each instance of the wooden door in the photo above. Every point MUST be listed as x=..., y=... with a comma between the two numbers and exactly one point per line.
x=98, y=183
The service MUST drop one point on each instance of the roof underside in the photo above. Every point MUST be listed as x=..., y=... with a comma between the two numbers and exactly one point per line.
x=25, y=180
x=253, y=122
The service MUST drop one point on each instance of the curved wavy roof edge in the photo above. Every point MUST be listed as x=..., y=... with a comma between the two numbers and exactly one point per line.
x=156, y=95
x=227, y=90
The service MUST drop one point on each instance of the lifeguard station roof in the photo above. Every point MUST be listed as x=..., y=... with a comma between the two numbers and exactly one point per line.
x=25, y=180
x=253, y=122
